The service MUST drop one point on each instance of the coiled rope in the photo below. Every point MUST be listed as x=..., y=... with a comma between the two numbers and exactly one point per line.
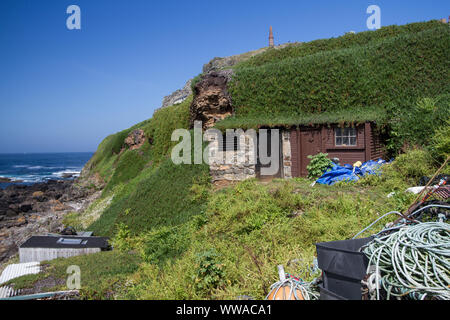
x=413, y=261
x=401, y=215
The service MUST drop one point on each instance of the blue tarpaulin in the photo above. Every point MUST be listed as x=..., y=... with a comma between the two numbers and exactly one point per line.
x=350, y=173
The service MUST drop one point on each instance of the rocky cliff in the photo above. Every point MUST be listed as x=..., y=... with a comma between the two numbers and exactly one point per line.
x=212, y=102
x=178, y=96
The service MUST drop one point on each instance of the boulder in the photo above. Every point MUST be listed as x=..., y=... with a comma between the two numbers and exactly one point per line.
x=25, y=207
x=212, y=101
x=135, y=139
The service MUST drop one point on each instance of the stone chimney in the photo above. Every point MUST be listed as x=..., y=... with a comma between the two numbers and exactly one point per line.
x=271, y=37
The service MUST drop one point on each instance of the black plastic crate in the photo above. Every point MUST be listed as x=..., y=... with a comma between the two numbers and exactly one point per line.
x=343, y=266
x=328, y=295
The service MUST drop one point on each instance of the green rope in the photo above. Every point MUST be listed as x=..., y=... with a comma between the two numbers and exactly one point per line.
x=413, y=261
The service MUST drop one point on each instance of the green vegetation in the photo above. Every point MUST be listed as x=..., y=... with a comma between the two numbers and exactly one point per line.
x=116, y=164
x=424, y=124
x=390, y=68
x=346, y=41
x=346, y=116
x=106, y=154
x=411, y=166
x=318, y=165
x=238, y=235
x=160, y=127
x=440, y=142
x=236, y=247
x=128, y=166
x=159, y=197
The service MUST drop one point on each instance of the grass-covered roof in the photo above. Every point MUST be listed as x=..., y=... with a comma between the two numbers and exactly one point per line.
x=350, y=116
x=353, y=78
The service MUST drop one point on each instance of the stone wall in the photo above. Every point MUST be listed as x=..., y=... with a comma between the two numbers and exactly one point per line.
x=287, y=162
x=233, y=165
x=240, y=165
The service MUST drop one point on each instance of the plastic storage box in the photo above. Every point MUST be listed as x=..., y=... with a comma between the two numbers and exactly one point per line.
x=343, y=268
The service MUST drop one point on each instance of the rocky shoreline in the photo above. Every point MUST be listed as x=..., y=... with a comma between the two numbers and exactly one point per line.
x=37, y=209
x=9, y=180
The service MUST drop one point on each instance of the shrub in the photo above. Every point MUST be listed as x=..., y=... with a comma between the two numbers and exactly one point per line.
x=210, y=272
x=417, y=124
x=318, y=165
x=410, y=166
x=122, y=237
x=440, y=142
x=165, y=243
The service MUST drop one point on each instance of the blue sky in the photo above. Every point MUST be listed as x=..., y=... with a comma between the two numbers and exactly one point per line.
x=65, y=90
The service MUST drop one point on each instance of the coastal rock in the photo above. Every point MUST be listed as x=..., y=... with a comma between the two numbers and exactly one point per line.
x=88, y=179
x=16, y=199
x=212, y=101
x=37, y=209
x=8, y=180
x=135, y=139
x=37, y=194
x=178, y=96
x=25, y=207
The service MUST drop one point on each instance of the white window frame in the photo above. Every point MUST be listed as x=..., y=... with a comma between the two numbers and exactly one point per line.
x=345, y=133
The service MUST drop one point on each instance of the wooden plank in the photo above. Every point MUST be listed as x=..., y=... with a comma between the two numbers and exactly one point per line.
x=43, y=254
x=367, y=136
x=300, y=153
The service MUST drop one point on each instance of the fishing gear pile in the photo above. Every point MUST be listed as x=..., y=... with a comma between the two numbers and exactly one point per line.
x=413, y=262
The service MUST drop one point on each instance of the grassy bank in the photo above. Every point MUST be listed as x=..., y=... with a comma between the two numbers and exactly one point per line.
x=232, y=243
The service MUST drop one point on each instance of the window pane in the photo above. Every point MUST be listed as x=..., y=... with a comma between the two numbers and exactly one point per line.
x=338, y=132
x=346, y=132
x=353, y=141
x=345, y=141
x=338, y=141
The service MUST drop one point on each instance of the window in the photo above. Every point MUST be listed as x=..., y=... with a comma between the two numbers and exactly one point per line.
x=230, y=144
x=72, y=241
x=345, y=137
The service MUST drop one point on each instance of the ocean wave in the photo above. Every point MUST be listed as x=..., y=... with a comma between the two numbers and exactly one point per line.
x=30, y=167
x=35, y=178
x=25, y=178
x=67, y=172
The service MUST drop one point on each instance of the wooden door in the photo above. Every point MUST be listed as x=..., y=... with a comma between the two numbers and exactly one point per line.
x=304, y=142
x=310, y=141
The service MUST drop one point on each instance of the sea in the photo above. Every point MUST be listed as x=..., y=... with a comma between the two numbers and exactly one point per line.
x=30, y=168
